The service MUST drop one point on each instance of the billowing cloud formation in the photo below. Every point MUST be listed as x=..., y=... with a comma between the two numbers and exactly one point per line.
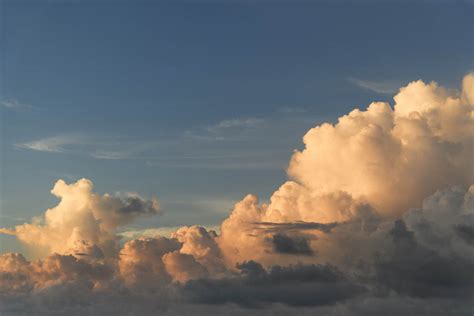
x=83, y=220
x=141, y=264
x=378, y=155
x=378, y=215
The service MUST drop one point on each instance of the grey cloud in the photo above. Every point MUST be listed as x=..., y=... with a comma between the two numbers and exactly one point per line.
x=296, y=285
x=417, y=271
x=294, y=245
x=135, y=205
x=15, y=105
x=294, y=226
x=465, y=232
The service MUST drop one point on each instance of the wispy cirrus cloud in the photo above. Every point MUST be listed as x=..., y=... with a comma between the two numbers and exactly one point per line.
x=292, y=110
x=98, y=147
x=14, y=104
x=111, y=155
x=237, y=123
x=225, y=130
x=55, y=144
x=381, y=87
x=228, y=144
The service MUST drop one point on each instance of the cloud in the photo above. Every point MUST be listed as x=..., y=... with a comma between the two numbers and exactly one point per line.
x=188, y=269
x=421, y=145
x=140, y=264
x=420, y=272
x=183, y=267
x=377, y=216
x=226, y=130
x=56, y=144
x=295, y=245
x=14, y=104
x=292, y=110
x=82, y=220
x=296, y=226
x=299, y=285
x=110, y=155
x=465, y=232
x=375, y=86
x=236, y=123
x=201, y=244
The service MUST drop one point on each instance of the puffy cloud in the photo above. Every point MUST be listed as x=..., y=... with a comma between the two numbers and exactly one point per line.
x=445, y=221
x=423, y=144
x=245, y=235
x=183, y=267
x=374, y=163
x=350, y=233
x=82, y=220
x=141, y=264
x=201, y=244
x=19, y=276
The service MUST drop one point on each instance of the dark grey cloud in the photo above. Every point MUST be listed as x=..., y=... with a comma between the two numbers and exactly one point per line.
x=295, y=245
x=271, y=227
x=465, y=232
x=135, y=205
x=295, y=285
x=417, y=271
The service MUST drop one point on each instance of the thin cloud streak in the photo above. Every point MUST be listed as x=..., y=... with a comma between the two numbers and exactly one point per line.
x=271, y=227
x=375, y=86
x=14, y=104
x=230, y=144
x=55, y=144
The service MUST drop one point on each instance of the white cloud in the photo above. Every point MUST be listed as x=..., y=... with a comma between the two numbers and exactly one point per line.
x=375, y=86
x=248, y=122
x=14, y=104
x=334, y=221
x=292, y=110
x=55, y=144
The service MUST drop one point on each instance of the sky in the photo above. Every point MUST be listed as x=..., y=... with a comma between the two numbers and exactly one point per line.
x=196, y=104
x=176, y=99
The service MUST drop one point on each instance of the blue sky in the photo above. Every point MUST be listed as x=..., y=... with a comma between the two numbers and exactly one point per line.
x=198, y=102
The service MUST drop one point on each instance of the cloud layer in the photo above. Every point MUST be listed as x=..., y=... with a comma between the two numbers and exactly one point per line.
x=378, y=216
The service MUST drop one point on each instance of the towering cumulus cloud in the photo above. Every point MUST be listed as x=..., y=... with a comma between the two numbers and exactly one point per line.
x=378, y=214
x=83, y=222
x=380, y=154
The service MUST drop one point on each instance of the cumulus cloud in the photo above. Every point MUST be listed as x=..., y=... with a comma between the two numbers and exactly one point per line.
x=378, y=214
x=19, y=276
x=202, y=245
x=424, y=143
x=82, y=221
x=183, y=267
x=141, y=264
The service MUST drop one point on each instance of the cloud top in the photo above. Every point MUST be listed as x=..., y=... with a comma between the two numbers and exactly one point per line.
x=377, y=216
